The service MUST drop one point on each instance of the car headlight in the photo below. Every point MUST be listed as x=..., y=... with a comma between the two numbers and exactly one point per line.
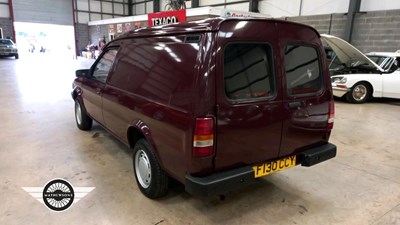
x=339, y=80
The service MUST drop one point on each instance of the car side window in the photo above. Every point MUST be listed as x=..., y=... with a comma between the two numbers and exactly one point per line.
x=103, y=66
x=303, y=73
x=398, y=63
x=248, y=71
x=393, y=66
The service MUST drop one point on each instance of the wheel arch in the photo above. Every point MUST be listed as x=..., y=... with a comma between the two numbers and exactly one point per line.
x=370, y=92
x=137, y=130
x=134, y=134
x=366, y=82
x=74, y=94
x=77, y=96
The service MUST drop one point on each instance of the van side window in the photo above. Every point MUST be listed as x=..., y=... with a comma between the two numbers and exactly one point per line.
x=303, y=73
x=104, y=65
x=248, y=72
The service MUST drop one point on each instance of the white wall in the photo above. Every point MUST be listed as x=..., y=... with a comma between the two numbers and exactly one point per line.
x=374, y=5
x=239, y=7
x=279, y=8
x=312, y=7
x=97, y=9
x=4, y=11
x=283, y=8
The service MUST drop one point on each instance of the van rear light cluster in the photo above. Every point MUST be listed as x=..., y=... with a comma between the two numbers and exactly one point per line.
x=203, y=140
x=331, y=117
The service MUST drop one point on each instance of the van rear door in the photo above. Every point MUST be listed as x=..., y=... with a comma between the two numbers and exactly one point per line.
x=249, y=102
x=307, y=102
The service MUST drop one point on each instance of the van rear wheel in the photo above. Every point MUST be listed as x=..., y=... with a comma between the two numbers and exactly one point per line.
x=151, y=179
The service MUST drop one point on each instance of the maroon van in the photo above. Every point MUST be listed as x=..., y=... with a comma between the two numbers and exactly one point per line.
x=214, y=104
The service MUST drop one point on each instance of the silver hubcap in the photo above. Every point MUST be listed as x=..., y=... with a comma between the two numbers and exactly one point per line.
x=143, y=168
x=78, y=113
x=359, y=92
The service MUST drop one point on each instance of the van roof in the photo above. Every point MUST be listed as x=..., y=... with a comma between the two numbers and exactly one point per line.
x=209, y=24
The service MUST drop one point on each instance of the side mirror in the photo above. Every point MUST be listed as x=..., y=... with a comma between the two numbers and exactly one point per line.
x=82, y=73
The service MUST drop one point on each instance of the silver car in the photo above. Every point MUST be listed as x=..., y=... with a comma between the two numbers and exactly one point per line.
x=8, y=48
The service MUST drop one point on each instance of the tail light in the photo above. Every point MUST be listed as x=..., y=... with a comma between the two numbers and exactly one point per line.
x=203, y=140
x=331, y=117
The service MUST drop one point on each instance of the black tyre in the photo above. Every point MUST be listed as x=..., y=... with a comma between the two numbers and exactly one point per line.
x=151, y=179
x=16, y=56
x=360, y=93
x=83, y=121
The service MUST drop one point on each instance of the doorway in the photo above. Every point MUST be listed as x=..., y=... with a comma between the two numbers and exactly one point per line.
x=37, y=38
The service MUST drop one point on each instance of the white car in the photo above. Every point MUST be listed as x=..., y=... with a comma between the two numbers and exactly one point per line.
x=358, y=77
x=8, y=48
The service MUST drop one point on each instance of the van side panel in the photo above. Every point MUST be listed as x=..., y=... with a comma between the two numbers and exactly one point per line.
x=306, y=115
x=203, y=102
x=153, y=83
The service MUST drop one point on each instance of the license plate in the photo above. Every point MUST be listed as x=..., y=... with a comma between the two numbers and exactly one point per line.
x=274, y=166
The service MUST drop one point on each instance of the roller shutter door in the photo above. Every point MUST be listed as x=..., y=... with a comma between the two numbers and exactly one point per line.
x=44, y=11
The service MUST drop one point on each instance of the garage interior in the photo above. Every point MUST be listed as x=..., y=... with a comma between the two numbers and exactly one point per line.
x=39, y=140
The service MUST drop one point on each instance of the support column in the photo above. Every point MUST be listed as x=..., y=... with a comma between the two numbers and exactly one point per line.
x=130, y=8
x=156, y=5
x=253, y=6
x=195, y=3
x=301, y=7
x=354, y=8
x=74, y=15
x=10, y=7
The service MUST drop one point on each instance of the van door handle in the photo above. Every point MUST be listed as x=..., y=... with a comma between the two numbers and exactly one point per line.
x=294, y=105
x=98, y=90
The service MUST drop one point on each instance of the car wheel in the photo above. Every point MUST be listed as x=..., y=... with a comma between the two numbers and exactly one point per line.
x=83, y=121
x=359, y=93
x=151, y=179
x=16, y=56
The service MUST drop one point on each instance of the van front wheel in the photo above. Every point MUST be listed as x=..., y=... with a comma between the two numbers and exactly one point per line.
x=151, y=179
x=83, y=121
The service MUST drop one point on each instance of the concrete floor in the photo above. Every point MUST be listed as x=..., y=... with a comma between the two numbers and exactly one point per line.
x=39, y=141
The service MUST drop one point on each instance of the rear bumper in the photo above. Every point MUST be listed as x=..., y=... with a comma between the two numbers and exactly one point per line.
x=220, y=183
x=230, y=180
x=316, y=155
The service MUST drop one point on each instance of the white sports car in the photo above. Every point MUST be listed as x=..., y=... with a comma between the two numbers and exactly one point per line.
x=358, y=77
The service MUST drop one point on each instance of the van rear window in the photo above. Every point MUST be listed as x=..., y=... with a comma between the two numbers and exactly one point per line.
x=303, y=74
x=248, y=72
